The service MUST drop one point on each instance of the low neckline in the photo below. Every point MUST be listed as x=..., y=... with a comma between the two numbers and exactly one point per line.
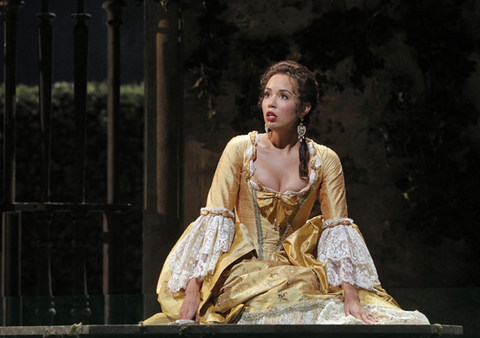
x=261, y=187
x=270, y=190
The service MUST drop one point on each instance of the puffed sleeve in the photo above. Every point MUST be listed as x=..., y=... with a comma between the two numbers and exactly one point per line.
x=332, y=189
x=211, y=235
x=341, y=246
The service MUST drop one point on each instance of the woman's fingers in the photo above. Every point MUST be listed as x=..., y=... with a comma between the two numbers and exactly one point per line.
x=368, y=318
x=363, y=315
x=371, y=318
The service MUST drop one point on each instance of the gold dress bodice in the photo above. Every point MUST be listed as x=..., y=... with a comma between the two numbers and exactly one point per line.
x=272, y=216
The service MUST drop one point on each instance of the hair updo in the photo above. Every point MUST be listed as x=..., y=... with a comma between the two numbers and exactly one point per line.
x=306, y=91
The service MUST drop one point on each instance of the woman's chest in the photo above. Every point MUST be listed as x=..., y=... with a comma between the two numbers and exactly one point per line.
x=278, y=172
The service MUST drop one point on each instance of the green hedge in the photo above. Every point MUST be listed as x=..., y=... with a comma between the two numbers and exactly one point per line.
x=62, y=165
x=28, y=172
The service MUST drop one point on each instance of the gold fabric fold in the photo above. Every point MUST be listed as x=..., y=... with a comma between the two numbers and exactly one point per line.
x=291, y=279
x=242, y=248
x=276, y=207
x=301, y=249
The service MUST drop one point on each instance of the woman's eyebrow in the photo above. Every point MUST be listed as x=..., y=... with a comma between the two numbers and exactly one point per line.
x=285, y=91
x=281, y=90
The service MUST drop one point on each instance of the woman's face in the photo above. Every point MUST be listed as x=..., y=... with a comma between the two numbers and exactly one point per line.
x=279, y=103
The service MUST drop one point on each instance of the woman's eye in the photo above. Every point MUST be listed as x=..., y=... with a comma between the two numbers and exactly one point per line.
x=284, y=97
x=266, y=95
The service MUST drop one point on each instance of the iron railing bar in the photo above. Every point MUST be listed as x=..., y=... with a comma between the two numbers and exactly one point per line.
x=53, y=206
x=10, y=73
x=80, y=69
x=11, y=228
x=45, y=60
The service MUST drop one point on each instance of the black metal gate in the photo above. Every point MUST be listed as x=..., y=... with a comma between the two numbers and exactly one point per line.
x=44, y=209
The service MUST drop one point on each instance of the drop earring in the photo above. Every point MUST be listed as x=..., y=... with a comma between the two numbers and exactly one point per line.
x=267, y=130
x=302, y=130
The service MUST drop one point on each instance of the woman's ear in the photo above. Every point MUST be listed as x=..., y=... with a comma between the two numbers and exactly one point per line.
x=306, y=109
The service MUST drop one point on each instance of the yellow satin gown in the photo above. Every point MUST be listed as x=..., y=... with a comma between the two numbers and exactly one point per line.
x=257, y=251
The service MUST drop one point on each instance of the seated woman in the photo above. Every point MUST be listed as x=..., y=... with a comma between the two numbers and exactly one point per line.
x=253, y=256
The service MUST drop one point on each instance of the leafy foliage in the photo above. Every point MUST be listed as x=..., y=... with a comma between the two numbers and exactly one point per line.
x=425, y=131
x=427, y=134
x=210, y=59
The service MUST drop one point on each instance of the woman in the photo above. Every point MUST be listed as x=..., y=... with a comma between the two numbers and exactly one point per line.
x=253, y=256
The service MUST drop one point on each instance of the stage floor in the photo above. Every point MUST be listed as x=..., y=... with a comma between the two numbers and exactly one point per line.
x=247, y=331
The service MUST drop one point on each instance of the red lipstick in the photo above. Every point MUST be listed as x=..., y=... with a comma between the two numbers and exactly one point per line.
x=271, y=116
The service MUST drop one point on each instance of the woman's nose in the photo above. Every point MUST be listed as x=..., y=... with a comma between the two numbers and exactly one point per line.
x=271, y=101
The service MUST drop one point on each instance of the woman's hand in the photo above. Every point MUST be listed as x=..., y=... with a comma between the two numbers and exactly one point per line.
x=353, y=306
x=189, y=309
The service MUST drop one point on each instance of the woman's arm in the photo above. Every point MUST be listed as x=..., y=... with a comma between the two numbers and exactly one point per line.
x=340, y=247
x=189, y=309
x=198, y=251
x=353, y=306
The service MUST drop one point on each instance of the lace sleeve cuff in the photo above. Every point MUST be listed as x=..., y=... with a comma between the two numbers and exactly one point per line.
x=346, y=257
x=341, y=221
x=197, y=254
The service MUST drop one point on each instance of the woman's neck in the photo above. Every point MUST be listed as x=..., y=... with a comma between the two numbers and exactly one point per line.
x=283, y=139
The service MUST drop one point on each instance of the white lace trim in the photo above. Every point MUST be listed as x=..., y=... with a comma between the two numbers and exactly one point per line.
x=311, y=150
x=197, y=254
x=249, y=154
x=332, y=312
x=347, y=258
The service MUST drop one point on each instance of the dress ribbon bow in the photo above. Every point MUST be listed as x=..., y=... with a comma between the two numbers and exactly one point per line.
x=277, y=207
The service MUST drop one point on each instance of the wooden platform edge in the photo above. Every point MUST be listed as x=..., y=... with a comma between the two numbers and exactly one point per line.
x=78, y=330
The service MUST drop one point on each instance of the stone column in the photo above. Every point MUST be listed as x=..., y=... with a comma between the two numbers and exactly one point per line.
x=161, y=227
x=114, y=268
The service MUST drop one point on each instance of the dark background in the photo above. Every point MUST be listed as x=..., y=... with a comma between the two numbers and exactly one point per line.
x=400, y=106
x=131, y=47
